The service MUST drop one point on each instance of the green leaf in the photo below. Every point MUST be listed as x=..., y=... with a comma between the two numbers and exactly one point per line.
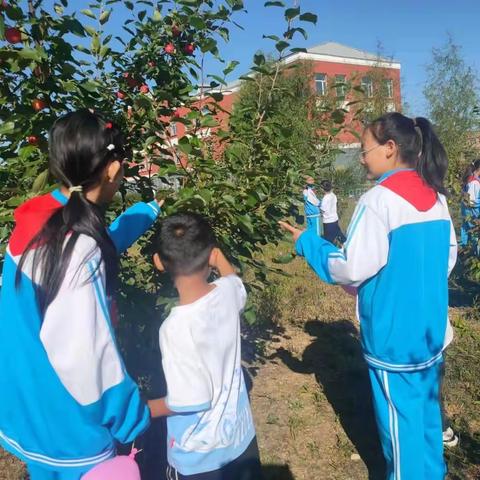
x=157, y=16
x=218, y=79
x=32, y=54
x=230, y=67
x=224, y=33
x=284, y=259
x=272, y=37
x=309, y=17
x=298, y=50
x=245, y=223
x=58, y=9
x=95, y=46
x=40, y=182
x=90, y=30
x=88, y=13
x=129, y=5
x=184, y=145
x=250, y=316
x=217, y=96
x=6, y=128
x=2, y=27
x=74, y=26
x=104, y=51
x=90, y=86
x=105, y=16
x=259, y=59
x=274, y=4
x=141, y=15
x=291, y=13
x=291, y=32
x=197, y=23
x=281, y=45
x=14, y=13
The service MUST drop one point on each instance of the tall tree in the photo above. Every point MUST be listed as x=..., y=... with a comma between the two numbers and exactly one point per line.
x=451, y=91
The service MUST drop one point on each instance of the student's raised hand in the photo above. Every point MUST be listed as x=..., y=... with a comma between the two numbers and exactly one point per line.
x=160, y=202
x=296, y=232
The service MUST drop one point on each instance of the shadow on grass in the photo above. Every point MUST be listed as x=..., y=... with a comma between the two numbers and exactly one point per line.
x=335, y=357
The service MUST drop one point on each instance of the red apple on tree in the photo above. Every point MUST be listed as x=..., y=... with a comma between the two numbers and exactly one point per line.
x=13, y=35
x=32, y=140
x=38, y=104
x=120, y=95
x=4, y=4
x=144, y=88
x=189, y=48
x=176, y=32
x=152, y=64
x=169, y=48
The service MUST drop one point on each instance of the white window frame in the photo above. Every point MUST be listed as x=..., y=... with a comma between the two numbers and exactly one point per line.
x=341, y=90
x=321, y=80
x=389, y=87
x=367, y=85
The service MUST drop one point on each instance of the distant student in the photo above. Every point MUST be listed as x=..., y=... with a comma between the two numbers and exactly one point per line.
x=211, y=435
x=66, y=398
x=399, y=251
x=328, y=207
x=471, y=203
x=312, y=207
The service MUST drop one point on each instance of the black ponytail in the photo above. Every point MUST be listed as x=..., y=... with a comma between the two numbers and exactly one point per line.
x=418, y=145
x=471, y=168
x=81, y=144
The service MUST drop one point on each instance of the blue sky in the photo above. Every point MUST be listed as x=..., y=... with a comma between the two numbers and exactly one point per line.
x=407, y=29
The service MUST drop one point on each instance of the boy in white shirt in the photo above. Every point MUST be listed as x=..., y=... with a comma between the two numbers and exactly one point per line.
x=328, y=207
x=210, y=430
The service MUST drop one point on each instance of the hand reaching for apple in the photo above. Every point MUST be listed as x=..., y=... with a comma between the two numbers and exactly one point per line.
x=296, y=232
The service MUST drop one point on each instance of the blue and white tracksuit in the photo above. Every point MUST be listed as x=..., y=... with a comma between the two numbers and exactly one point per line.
x=66, y=396
x=470, y=211
x=312, y=210
x=399, y=251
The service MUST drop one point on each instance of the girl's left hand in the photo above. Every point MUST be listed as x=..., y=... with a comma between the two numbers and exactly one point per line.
x=296, y=232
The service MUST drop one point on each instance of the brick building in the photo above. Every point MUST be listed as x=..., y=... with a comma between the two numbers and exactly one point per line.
x=331, y=64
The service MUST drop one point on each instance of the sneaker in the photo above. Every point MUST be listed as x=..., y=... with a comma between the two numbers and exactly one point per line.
x=450, y=440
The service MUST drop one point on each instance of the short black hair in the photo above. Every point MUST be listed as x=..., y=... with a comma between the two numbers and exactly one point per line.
x=326, y=185
x=184, y=243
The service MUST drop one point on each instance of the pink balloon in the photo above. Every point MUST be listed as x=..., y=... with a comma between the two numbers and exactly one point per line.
x=121, y=467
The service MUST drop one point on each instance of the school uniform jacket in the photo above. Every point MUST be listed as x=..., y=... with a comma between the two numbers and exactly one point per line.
x=472, y=189
x=399, y=251
x=311, y=202
x=66, y=397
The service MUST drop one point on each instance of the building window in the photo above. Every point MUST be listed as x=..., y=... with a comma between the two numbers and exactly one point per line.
x=389, y=87
x=321, y=83
x=341, y=88
x=367, y=86
x=173, y=129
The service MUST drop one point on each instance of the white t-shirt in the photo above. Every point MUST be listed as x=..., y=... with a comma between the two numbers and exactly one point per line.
x=329, y=208
x=200, y=346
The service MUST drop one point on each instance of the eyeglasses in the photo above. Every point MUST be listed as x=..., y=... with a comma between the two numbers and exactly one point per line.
x=364, y=152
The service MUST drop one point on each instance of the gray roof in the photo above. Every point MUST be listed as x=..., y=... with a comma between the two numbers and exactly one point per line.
x=339, y=50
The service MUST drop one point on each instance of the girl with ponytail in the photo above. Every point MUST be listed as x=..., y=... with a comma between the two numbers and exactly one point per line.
x=399, y=251
x=471, y=204
x=66, y=396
